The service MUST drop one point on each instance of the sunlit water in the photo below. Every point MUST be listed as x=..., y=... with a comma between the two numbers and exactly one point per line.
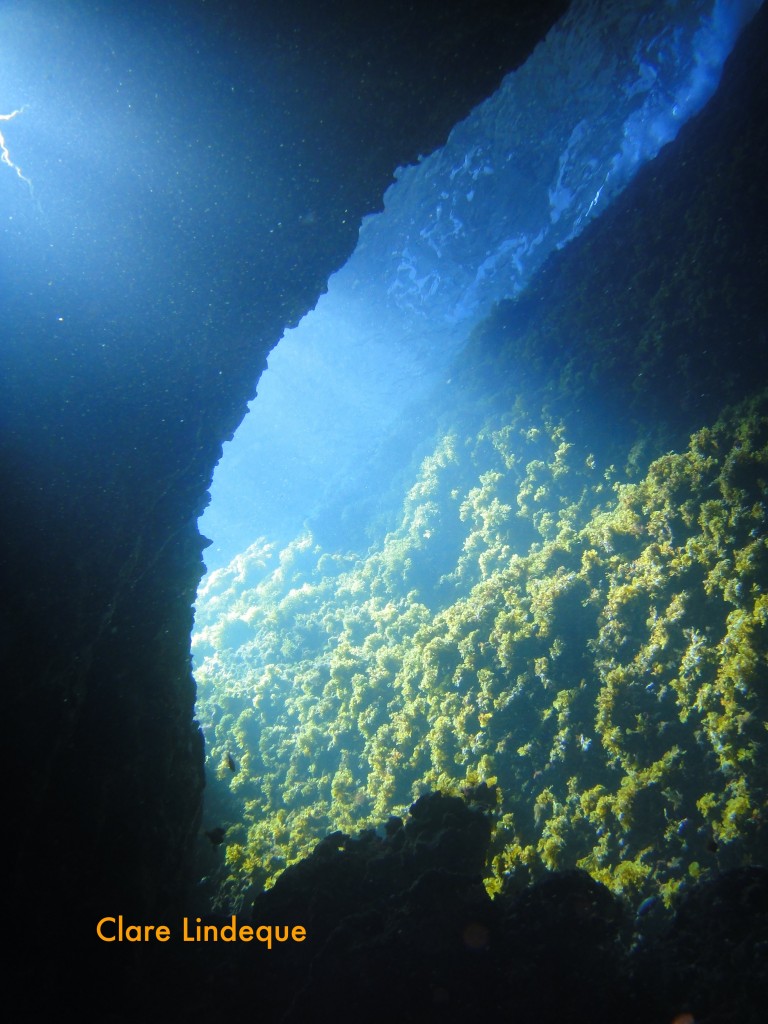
x=466, y=227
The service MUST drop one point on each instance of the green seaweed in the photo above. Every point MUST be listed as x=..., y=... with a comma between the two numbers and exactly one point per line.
x=592, y=641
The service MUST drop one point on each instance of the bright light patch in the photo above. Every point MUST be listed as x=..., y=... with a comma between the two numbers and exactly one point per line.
x=5, y=156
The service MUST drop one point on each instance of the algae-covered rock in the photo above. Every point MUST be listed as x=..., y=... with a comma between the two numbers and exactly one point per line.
x=570, y=601
x=607, y=678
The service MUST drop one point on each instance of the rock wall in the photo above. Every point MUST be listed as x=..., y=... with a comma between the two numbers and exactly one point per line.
x=107, y=455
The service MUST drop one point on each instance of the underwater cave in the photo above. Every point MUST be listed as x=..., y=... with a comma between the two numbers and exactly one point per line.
x=411, y=361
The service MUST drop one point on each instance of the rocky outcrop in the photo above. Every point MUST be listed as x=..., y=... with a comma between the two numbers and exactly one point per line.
x=108, y=449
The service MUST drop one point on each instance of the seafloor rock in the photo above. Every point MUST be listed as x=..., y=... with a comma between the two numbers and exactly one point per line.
x=405, y=916
x=399, y=930
x=712, y=959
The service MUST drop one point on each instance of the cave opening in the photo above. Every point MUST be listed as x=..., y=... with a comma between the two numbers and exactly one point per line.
x=417, y=441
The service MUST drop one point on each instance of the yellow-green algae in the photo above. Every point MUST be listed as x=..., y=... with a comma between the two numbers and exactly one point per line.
x=592, y=640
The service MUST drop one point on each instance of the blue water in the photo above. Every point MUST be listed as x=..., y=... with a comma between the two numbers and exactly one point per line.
x=466, y=227
x=157, y=164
